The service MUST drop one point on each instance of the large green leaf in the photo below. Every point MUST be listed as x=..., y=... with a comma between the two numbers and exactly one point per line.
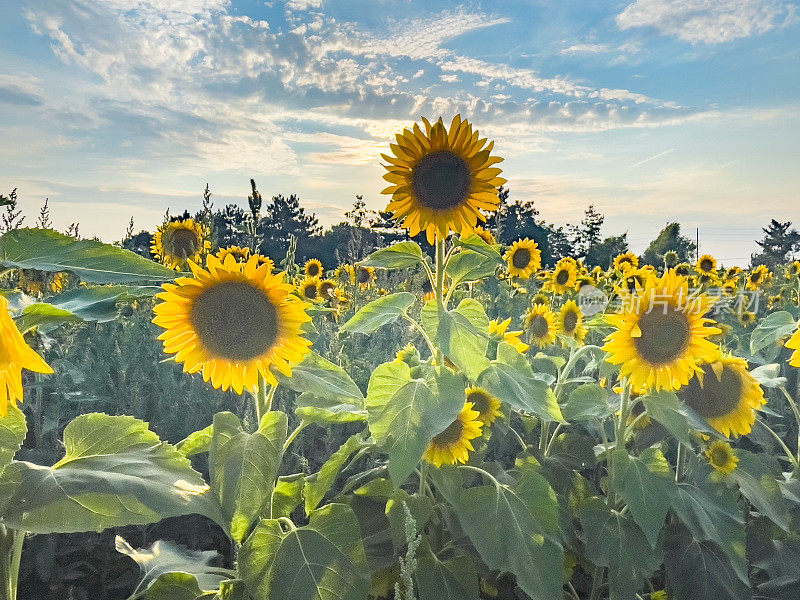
x=521, y=390
x=770, y=329
x=318, y=484
x=757, y=481
x=410, y=419
x=196, y=442
x=477, y=244
x=397, y=256
x=165, y=557
x=450, y=579
x=93, y=262
x=384, y=383
x=328, y=410
x=175, y=586
x=320, y=377
x=324, y=560
x=712, y=514
x=379, y=312
x=469, y=265
x=13, y=429
x=675, y=416
x=646, y=484
x=115, y=472
x=244, y=467
x=614, y=541
x=586, y=402
x=461, y=334
x=699, y=569
x=515, y=529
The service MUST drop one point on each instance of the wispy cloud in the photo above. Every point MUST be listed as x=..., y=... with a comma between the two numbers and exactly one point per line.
x=655, y=156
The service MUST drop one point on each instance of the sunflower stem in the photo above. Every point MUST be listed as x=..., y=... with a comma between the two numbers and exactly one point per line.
x=482, y=472
x=680, y=459
x=294, y=434
x=796, y=412
x=440, y=264
x=11, y=542
x=519, y=438
x=544, y=435
x=789, y=453
x=419, y=328
x=423, y=478
x=261, y=399
x=552, y=439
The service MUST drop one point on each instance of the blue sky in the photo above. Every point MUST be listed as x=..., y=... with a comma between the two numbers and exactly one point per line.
x=652, y=110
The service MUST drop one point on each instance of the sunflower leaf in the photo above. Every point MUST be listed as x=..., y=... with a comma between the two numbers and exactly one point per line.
x=521, y=390
x=323, y=560
x=397, y=256
x=318, y=484
x=771, y=329
x=13, y=429
x=379, y=312
x=469, y=266
x=321, y=378
x=586, y=402
x=451, y=579
x=757, y=482
x=461, y=334
x=93, y=262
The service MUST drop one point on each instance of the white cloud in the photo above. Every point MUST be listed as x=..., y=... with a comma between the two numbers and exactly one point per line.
x=708, y=21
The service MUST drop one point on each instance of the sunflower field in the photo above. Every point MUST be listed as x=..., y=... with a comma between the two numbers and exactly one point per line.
x=458, y=424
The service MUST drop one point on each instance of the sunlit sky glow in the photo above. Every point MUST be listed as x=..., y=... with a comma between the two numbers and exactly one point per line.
x=653, y=110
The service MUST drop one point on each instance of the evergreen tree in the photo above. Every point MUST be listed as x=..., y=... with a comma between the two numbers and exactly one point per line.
x=587, y=234
x=229, y=227
x=283, y=218
x=603, y=253
x=670, y=238
x=779, y=243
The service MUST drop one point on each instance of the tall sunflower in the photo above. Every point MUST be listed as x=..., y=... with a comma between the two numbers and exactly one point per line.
x=570, y=321
x=661, y=334
x=498, y=330
x=487, y=405
x=314, y=268
x=564, y=276
x=441, y=180
x=15, y=355
x=725, y=394
x=232, y=322
x=240, y=254
x=628, y=260
x=540, y=323
x=180, y=240
x=733, y=272
x=486, y=235
x=524, y=258
x=758, y=277
x=707, y=264
x=794, y=344
x=309, y=289
x=793, y=270
x=453, y=444
x=362, y=276
x=328, y=289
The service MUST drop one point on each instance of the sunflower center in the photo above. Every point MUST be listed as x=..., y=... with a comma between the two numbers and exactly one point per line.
x=441, y=180
x=719, y=457
x=310, y=292
x=716, y=397
x=539, y=326
x=451, y=435
x=562, y=277
x=570, y=321
x=183, y=243
x=706, y=264
x=363, y=275
x=755, y=277
x=521, y=258
x=480, y=401
x=312, y=270
x=665, y=335
x=326, y=290
x=235, y=320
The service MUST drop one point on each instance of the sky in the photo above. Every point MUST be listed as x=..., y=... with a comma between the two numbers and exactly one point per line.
x=652, y=110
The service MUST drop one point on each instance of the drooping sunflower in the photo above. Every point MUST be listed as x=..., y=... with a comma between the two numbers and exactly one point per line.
x=328, y=289
x=722, y=457
x=564, y=276
x=793, y=270
x=661, y=334
x=540, y=323
x=487, y=405
x=707, y=264
x=441, y=180
x=732, y=273
x=309, y=289
x=758, y=277
x=725, y=393
x=15, y=355
x=570, y=321
x=746, y=318
x=233, y=321
x=794, y=344
x=453, y=445
x=623, y=262
x=239, y=254
x=180, y=240
x=314, y=268
x=524, y=258
x=683, y=269
x=499, y=330
x=486, y=235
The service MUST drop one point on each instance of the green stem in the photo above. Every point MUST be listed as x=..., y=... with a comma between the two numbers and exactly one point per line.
x=440, y=272
x=796, y=412
x=482, y=472
x=552, y=439
x=519, y=437
x=294, y=434
x=789, y=453
x=11, y=542
x=565, y=372
x=419, y=328
x=679, y=461
x=544, y=435
x=423, y=478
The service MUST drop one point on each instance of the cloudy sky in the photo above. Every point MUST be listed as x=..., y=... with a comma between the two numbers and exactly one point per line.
x=653, y=110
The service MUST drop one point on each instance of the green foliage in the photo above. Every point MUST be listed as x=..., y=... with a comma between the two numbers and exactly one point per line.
x=379, y=312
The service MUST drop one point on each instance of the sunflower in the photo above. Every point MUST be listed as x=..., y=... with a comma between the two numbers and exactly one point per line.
x=570, y=321
x=794, y=344
x=746, y=318
x=540, y=323
x=730, y=287
x=408, y=354
x=265, y=260
x=671, y=258
x=683, y=269
x=486, y=235
x=363, y=276
x=314, y=268
x=309, y=289
x=31, y=282
x=453, y=445
x=793, y=270
x=499, y=329
x=722, y=457
x=623, y=262
x=733, y=272
x=180, y=240
x=725, y=393
x=564, y=276
x=488, y=406
x=706, y=264
x=706, y=279
x=239, y=254
x=232, y=322
x=661, y=333
x=441, y=180
x=632, y=281
x=15, y=355
x=540, y=298
x=758, y=277
x=59, y=282
x=524, y=258
x=328, y=289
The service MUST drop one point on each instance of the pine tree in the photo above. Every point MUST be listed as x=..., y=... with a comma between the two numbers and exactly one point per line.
x=669, y=238
x=779, y=243
x=283, y=218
